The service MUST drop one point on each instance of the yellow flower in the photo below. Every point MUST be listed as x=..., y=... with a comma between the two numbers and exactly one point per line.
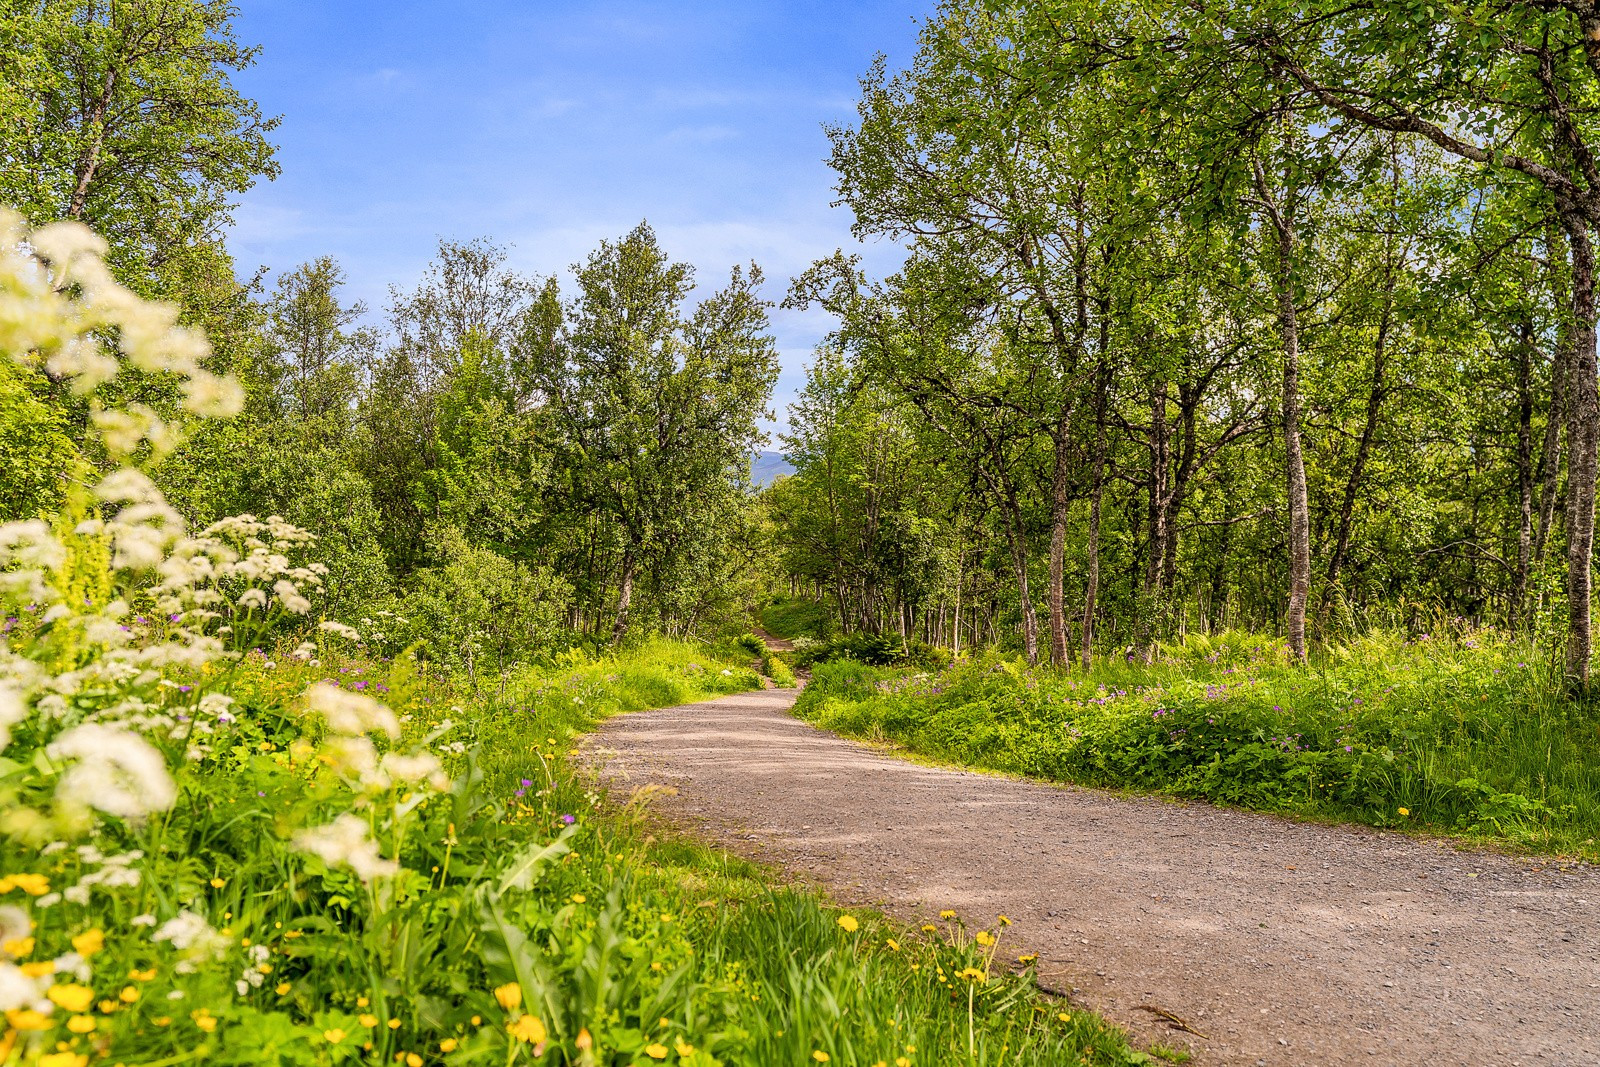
x=901, y=1061
x=508, y=995
x=849, y=923
x=35, y=885
x=369, y=1021
x=1004, y=921
x=683, y=1048
x=107, y=1006
x=218, y=883
x=929, y=928
x=362, y=1002
x=205, y=1022
x=27, y=1019
x=448, y=1045
x=18, y=947
x=527, y=1028
x=283, y=989
x=394, y=1024
x=129, y=994
x=1405, y=811
x=71, y=996
x=656, y=1052
x=984, y=938
x=1064, y=1017
x=334, y=1036
x=579, y=898
x=1030, y=958
x=89, y=942
x=584, y=1040
x=142, y=976
x=820, y=1056
x=947, y=914
x=81, y=1024
x=38, y=970
x=413, y=1060
x=63, y=1059
x=894, y=946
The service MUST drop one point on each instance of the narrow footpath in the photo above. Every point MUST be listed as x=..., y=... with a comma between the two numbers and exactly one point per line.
x=1282, y=943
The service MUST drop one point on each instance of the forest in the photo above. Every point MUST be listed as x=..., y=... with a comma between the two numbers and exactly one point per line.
x=1228, y=432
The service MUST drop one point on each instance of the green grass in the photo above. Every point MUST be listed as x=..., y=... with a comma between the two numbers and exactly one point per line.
x=522, y=898
x=1464, y=734
x=790, y=618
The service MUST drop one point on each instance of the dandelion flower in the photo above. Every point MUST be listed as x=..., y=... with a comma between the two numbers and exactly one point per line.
x=849, y=923
x=509, y=996
x=529, y=1029
x=984, y=938
x=947, y=914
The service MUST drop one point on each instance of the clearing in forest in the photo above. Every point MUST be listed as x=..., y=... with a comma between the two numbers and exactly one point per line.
x=1276, y=942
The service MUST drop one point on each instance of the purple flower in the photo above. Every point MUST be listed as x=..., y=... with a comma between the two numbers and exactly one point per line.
x=569, y=819
x=185, y=688
x=526, y=782
x=172, y=618
x=1347, y=748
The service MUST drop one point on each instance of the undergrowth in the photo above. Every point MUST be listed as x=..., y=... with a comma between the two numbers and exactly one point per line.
x=1463, y=733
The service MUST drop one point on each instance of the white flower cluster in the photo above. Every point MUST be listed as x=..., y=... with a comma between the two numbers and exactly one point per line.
x=59, y=310
x=192, y=936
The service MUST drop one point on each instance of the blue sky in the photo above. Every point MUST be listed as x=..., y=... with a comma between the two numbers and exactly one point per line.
x=549, y=125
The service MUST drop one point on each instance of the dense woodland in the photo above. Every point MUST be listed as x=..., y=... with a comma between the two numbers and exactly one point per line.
x=1254, y=317
x=1271, y=316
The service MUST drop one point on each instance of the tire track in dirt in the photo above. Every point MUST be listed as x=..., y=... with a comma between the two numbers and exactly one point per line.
x=1285, y=943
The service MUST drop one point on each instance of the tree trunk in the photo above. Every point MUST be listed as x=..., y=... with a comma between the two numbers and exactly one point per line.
x=1091, y=569
x=1519, y=581
x=1582, y=436
x=1294, y=461
x=1369, y=428
x=1058, y=543
x=1560, y=390
x=619, y=629
x=1152, y=608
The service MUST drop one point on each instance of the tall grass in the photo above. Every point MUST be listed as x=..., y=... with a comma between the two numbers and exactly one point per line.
x=1466, y=733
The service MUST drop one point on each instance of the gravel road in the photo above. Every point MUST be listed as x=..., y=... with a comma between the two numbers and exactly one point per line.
x=1282, y=942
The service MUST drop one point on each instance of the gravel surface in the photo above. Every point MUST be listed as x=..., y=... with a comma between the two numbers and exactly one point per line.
x=1281, y=942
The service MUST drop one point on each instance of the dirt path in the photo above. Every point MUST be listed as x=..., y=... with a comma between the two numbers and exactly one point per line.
x=1285, y=943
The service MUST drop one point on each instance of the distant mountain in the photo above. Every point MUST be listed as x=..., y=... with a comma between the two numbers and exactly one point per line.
x=765, y=467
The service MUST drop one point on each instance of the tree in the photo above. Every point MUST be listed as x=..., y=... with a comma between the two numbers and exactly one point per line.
x=650, y=407
x=121, y=114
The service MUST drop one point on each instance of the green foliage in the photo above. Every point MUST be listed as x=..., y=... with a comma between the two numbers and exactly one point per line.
x=1462, y=733
x=794, y=617
x=36, y=453
x=480, y=612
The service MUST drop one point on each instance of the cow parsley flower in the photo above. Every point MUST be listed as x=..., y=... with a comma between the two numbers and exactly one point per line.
x=345, y=842
x=116, y=771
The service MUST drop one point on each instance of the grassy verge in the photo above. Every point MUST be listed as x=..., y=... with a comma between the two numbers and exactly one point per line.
x=1463, y=734
x=790, y=618
x=522, y=920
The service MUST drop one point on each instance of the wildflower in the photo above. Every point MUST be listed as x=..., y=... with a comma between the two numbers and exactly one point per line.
x=81, y=1024
x=63, y=1059
x=32, y=884
x=283, y=989
x=192, y=935
x=71, y=996
x=947, y=915
x=579, y=898
x=893, y=945
x=1405, y=811
x=351, y=714
x=368, y=1021
x=1004, y=921
x=820, y=1056
x=116, y=771
x=849, y=923
x=683, y=1048
x=984, y=938
x=205, y=1021
x=89, y=942
x=448, y=1045
x=413, y=1060
x=929, y=928
x=345, y=842
x=529, y=1029
x=656, y=1051
x=333, y=1036
x=129, y=994
x=509, y=996
x=1027, y=959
